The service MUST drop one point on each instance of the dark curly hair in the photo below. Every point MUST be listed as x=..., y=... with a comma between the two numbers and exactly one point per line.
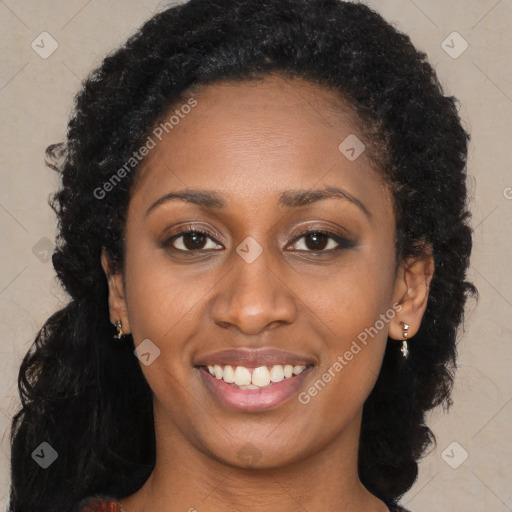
x=86, y=396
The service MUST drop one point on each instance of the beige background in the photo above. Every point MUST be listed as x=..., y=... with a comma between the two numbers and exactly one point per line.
x=35, y=101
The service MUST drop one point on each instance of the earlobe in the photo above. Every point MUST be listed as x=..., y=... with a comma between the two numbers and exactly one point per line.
x=411, y=292
x=116, y=296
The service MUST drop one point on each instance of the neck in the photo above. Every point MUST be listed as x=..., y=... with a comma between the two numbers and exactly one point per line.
x=187, y=479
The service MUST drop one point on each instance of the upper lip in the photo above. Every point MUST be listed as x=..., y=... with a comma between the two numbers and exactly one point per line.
x=253, y=358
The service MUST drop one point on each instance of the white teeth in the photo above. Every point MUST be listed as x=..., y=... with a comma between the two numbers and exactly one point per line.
x=296, y=369
x=218, y=371
x=228, y=374
x=261, y=377
x=277, y=373
x=242, y=376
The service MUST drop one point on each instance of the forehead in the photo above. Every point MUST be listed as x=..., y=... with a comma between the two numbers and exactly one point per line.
x=256, y=137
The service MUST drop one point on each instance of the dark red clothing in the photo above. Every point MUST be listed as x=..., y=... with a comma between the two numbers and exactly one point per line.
x=99, y=504
x=106, y=504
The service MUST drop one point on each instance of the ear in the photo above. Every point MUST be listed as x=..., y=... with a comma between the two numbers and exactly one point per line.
x=116, y=297
x=411, y=291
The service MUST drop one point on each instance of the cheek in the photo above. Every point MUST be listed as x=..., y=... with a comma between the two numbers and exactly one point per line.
x=350, y=363
x=159, y=299
x=350, y=296
x=352, y=311
x=162, y=307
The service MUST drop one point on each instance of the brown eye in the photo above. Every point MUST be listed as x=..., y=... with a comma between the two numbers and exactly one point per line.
x=320, y=241
x=192, y=241
x=316, y=241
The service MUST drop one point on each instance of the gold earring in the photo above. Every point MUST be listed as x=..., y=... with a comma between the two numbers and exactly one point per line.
x=404, y=349
x=120, y=332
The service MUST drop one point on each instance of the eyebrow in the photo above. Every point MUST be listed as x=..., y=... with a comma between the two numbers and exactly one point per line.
x=206, y=198
x=212, y=199
x=295, y=198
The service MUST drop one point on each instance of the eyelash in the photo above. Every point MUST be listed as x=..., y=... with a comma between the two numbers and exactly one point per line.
x=343, y=243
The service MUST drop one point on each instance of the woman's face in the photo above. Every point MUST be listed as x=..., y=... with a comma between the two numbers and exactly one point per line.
x=261, y=158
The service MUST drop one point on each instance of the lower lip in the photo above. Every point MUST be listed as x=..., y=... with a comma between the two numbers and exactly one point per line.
x=252, y=400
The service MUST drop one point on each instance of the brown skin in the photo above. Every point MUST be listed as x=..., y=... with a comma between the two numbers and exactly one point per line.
x=251, y=141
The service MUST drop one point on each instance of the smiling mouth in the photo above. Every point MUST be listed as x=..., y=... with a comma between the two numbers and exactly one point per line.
x=260, y=377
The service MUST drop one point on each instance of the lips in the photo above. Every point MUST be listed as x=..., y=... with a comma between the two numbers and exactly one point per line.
x=287, y=373
x=253, y=358
x=253, y=400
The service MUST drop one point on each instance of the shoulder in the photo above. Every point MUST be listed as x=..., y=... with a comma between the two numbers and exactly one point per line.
x=98, y=503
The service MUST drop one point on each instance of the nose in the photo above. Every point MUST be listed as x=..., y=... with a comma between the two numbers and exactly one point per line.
x=253, y=297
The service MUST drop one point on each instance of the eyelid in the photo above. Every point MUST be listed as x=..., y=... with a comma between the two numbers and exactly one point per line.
x=342, y=241
x=182, y=229
x=323, y=227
